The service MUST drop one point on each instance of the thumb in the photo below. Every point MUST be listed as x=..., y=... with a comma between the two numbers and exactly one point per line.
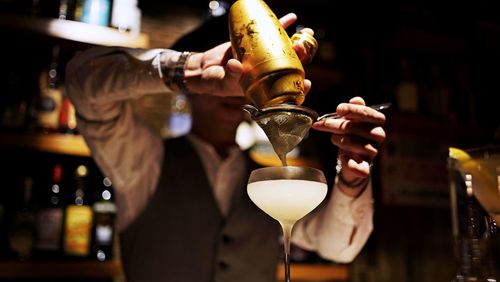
x=234, y=67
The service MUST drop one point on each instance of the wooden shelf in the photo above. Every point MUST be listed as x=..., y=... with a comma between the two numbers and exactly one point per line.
x=314, y=272
x=51, y=143
x=75, y=31
x=113, y=268
x=60, y=269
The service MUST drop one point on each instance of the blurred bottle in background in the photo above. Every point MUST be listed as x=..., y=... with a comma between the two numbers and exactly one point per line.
x=96, y=12
x=67, y=9
x=126, y=16
x=22, y=231
x=78, y=218
x=438, y=97
x=50, y=216
x=47, y=105
x=104, y=221
x=407, y=95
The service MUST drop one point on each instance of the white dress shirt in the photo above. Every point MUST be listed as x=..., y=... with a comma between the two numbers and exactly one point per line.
x=99, y=83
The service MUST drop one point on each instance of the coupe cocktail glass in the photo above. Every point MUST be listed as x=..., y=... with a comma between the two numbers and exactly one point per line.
x=287, y=194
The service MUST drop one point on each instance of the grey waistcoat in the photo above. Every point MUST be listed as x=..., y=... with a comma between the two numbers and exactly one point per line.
x=182, y=237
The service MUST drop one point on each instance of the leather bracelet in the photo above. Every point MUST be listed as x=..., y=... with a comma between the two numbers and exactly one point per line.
x=173, y=71
x=178, y=77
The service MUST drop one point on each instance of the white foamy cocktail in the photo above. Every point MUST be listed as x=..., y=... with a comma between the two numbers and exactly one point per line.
x=287, y=200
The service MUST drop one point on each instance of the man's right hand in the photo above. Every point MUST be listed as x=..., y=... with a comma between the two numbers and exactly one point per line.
x=216, y=72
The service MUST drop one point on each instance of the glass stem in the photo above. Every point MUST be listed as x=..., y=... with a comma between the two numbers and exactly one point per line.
x=287, y=234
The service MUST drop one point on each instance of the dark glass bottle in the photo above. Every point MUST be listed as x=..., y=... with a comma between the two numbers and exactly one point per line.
x=22, y=231
x=78, y=218
x=47, y=105
x=104, y=221
x=50, y=217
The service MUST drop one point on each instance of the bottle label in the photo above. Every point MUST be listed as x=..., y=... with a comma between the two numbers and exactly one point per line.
x=49, y=227
x=77, y=231
x=104, y=234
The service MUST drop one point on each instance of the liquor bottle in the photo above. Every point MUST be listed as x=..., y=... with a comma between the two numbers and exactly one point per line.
x=407, y=92
x=439, y=95
x=66, y=9
x=96, y=12
x=126, y=16
x=22, y=231
x=78, y=220
x=104, y=222
x=50, y=217
x=48, y=103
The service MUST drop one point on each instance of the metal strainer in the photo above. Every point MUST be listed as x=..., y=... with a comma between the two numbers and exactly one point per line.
x=285, y=125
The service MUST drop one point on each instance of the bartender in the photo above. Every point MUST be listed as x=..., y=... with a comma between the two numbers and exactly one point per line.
x=183, y=211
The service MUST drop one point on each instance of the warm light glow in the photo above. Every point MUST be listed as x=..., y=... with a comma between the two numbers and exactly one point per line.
x=81, y=171
x=94, y=34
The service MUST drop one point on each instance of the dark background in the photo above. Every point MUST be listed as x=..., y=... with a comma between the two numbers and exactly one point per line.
x=450, y=47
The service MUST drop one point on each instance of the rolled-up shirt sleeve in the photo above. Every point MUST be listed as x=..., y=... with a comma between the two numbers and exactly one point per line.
x=339, y=228
x=99, y=82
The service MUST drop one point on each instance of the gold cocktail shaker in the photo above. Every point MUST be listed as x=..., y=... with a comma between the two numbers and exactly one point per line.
x=273, y=76
x=273, y=73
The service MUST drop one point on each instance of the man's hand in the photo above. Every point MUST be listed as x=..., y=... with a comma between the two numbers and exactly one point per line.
x=358, y=133
x=216, y=72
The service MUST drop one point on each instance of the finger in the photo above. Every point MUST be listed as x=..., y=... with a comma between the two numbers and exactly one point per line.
x=357, y=100
x=217, y=55
x=304, y=50
x=361, y=169
x=234, y=67
x=307, y=30
x=355, y=145
x=360, y=113
x=213, y=73
x=288, y=19
x=358, y=167
x=372, y=132
x=307, y=86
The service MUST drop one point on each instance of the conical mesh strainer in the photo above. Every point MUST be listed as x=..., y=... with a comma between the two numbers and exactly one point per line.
x=285, y=125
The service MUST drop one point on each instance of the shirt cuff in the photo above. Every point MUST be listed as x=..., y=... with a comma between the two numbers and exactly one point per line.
x=348, y=209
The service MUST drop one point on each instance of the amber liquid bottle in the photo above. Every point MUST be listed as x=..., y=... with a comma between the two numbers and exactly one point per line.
x=79, y=218
x=47, y=104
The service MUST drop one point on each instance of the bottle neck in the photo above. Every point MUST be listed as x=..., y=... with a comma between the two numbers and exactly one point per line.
x=79, y=198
